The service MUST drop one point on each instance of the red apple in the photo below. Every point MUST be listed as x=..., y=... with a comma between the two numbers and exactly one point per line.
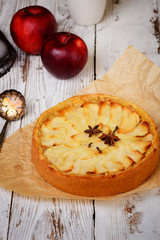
x=64, y=55
x=30, y=26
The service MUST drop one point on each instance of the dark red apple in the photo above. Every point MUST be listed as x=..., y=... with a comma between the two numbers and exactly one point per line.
x=64, y=55
x=30, y=26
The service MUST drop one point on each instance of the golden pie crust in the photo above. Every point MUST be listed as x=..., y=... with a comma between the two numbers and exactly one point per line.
x=82, y=163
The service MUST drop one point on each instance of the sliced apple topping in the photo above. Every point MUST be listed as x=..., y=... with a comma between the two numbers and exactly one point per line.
x=120, y=156
x=83, y=167
x=140, y=130
x=62, y=125
x=104, y=113
x=95, y=139
x=46, y=131
x=100, y=169
x=147, y=137
x=113, y=166
x=82, y=137
x=135, y=155
x=53, y=141
x=64, y=157
x=140, y=145
x=115, y=115
x=129, y=120
x=76, y=115
x=91, y=113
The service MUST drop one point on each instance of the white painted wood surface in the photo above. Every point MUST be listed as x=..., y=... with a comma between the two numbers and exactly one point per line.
x=126, y=22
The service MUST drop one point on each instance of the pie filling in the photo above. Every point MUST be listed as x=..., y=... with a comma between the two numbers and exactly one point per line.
x=97, y=139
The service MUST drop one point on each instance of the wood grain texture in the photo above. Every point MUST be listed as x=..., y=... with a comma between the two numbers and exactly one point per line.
x=50, y=219
x=10, y=81
x=129, y=218
x=5, y=201
x=126, y=22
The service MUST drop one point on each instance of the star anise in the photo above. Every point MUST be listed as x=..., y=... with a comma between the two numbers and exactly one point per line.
x=110, y=138
x=93, y=131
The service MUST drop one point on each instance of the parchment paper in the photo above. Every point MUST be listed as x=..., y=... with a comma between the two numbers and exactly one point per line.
x=133, y=77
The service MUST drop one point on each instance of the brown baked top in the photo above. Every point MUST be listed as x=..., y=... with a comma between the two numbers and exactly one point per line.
x=95, y=135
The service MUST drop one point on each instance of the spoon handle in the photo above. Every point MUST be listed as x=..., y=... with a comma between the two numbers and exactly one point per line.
x=2, y=135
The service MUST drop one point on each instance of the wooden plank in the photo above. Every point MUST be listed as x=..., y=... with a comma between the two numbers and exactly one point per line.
x=10, y=81
x=5, y=201
x=132, y=217
x=125, y=23
x=13, y=80
x=33, y=218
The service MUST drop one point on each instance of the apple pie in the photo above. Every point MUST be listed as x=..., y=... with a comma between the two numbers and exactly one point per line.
x=95, y=145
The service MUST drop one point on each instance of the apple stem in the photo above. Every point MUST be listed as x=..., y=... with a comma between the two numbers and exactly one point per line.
x=66, y=38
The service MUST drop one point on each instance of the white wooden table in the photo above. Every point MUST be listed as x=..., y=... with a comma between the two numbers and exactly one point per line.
x=126, y=22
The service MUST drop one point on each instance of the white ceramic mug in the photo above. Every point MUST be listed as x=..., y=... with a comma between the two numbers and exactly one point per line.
x=86, y=12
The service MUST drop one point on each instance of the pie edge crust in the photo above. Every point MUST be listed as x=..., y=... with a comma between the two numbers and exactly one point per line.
x=95, y=186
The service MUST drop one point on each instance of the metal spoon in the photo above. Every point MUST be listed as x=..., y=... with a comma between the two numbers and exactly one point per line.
x=12, y=106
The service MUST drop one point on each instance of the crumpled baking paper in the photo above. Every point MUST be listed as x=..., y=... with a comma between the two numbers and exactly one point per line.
x=133, y=77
